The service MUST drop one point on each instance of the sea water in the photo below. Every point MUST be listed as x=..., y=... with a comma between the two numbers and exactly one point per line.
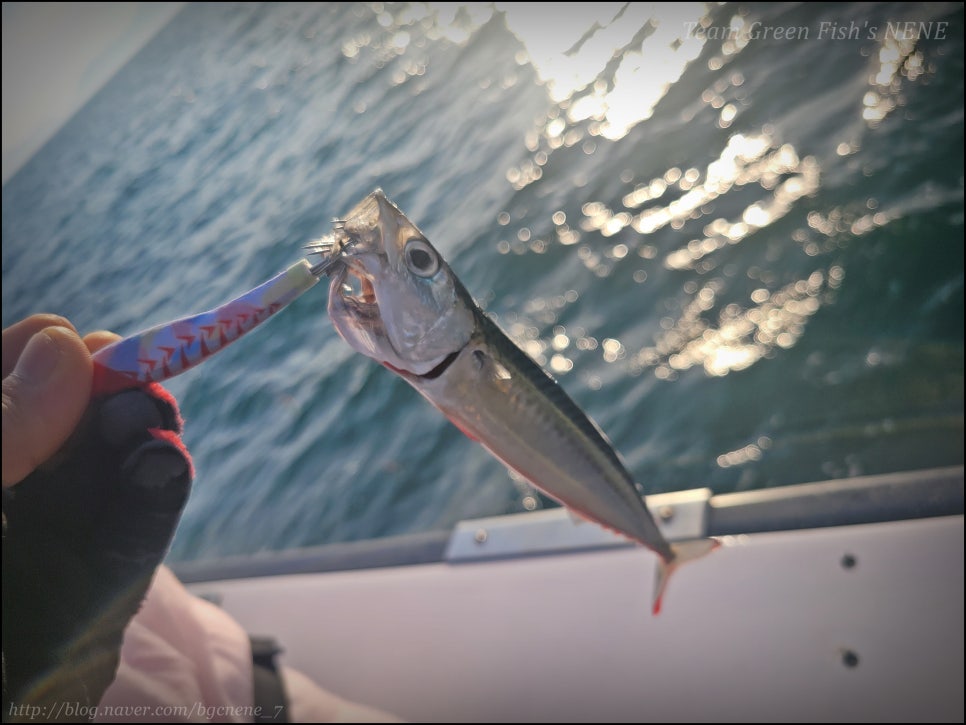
x=733, y=233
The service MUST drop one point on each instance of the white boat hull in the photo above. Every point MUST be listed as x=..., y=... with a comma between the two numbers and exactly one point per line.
x=842, y=623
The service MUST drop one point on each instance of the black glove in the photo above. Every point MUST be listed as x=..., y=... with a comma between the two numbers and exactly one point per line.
x=83, y=535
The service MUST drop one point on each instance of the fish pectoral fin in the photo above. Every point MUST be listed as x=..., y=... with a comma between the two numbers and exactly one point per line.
x=684, y=551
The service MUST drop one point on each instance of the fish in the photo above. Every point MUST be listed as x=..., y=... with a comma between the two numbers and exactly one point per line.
x=393, y=298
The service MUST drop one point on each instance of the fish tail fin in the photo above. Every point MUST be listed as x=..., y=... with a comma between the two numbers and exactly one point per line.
x=684, y=551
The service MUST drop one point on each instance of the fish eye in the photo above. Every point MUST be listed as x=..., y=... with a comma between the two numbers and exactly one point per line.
x=421, y=258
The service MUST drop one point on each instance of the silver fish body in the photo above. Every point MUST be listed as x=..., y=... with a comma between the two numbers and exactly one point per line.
x=500, y=397
x=394, y=299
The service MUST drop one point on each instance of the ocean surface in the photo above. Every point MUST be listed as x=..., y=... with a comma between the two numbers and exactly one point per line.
x=734, y=233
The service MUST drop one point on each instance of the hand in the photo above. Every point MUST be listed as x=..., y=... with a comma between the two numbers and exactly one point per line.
x=93, y=490
x=46, y=388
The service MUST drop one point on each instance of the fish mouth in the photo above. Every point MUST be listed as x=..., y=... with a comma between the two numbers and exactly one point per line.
x=354, y=286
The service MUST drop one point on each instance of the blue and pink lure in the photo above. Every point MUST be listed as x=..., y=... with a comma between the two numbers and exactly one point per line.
x=169, y=349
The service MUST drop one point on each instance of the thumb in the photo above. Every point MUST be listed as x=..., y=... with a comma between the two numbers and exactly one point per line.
x=44, y=398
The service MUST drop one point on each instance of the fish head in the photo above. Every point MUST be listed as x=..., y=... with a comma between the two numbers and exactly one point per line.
x=392, y=297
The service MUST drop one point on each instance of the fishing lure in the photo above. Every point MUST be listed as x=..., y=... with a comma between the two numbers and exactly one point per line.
x=168, y=349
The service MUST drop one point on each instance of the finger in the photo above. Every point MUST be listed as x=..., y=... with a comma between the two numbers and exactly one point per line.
x=96, y=340
x=44, y=397
x=128, y=416
x=16, y=337
x=139, y=520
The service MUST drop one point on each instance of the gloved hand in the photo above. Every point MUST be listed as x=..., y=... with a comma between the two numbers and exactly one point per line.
x=83, y=535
